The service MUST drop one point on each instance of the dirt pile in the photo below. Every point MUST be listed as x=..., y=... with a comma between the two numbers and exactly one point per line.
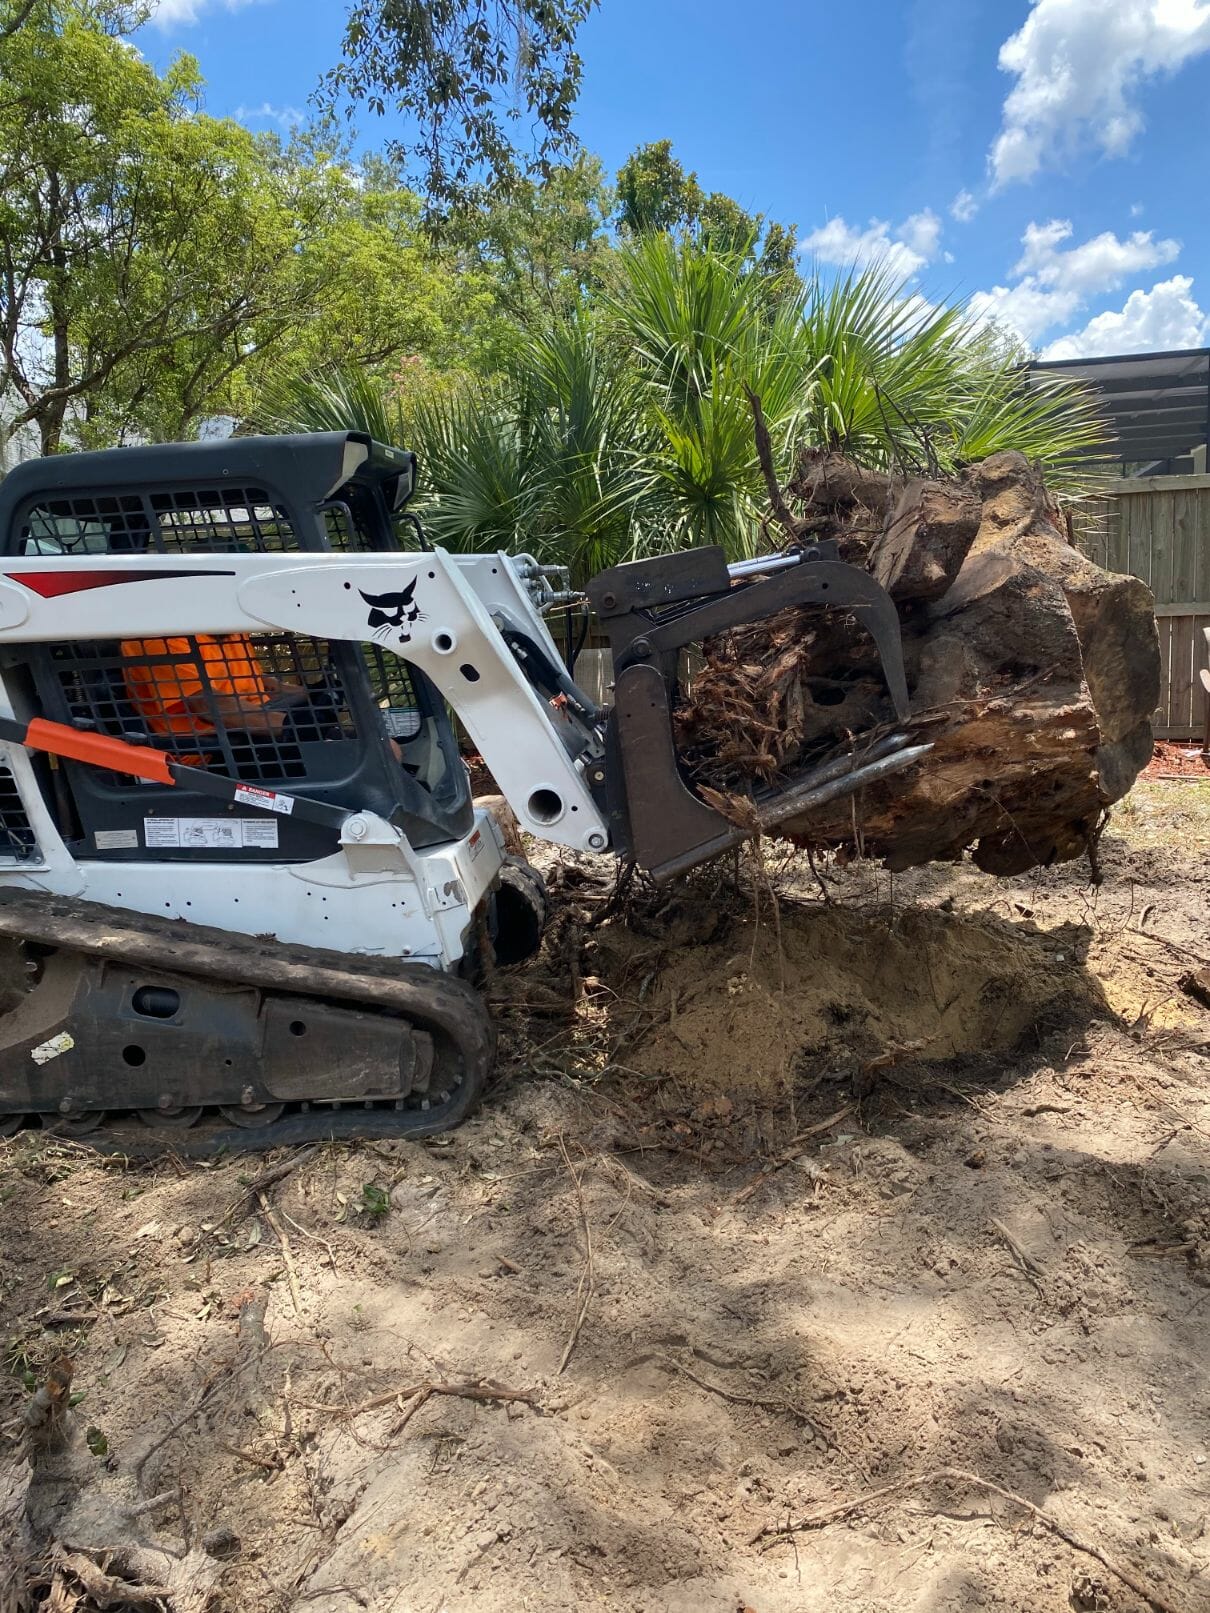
x=1032, y=673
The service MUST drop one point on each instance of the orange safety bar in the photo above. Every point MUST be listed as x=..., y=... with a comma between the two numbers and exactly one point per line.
x=99, y=750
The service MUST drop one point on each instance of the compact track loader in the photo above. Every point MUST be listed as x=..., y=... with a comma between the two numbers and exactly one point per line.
x=245, y=893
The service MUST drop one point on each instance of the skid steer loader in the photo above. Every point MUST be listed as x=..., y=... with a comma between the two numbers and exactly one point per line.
x=244, y=889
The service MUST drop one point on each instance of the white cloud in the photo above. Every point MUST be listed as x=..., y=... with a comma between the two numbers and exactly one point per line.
x=1100, y=264
x=183, y=13
x=1079, y=65
x=921, y=234
x=1025, y=309
x=902, y=249
x=964, y=207
x=1053, y=282
x=1165, y=317
x=289, y=117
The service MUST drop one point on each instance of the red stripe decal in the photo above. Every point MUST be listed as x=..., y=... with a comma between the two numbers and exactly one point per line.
x=51, y=584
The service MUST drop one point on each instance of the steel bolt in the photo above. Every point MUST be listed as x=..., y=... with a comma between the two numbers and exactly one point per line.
x=641, y=648
x=356, y=829
x=247, y=1097
x=65, y=1106
x=596, y=842
x=609, y=600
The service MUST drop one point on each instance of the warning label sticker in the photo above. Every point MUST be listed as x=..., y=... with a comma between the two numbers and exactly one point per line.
x=268, y=800
x=209, y=834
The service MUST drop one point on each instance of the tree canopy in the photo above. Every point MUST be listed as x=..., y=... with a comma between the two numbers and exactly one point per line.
x=143, y=245
x=465, y=74
x=155, y=261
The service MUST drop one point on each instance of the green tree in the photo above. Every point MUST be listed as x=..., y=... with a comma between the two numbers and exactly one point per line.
x=655, y=193
x=542, y=247
x=462, y=72
x=14, y=14
x=627, y=428
x=156, y=264
x=144, y=247
x=373, y=289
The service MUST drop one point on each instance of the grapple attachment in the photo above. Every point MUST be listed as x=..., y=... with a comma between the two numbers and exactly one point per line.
x=652, y=610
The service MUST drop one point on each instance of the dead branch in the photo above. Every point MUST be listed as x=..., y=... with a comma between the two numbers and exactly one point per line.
x=777, y=1403
x=958, y=1475
x=104, y=1589
x=286, y=1251
x=1026, y=1261
x=587, y=1284
x=465, y=1389
x=242, y=1203
x=764, y=453
x=791, y=1153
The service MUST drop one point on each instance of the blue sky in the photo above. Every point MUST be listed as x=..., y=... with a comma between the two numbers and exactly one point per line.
x=1046, y=159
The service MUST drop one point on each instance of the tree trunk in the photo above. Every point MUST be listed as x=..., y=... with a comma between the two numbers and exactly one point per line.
x=1033, y=674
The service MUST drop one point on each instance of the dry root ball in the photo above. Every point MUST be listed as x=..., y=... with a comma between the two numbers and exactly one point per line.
x=1033, y=673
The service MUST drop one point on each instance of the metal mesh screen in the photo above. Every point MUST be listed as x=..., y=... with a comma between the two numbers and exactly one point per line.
x=16, y=832
x=341, y=530
x=242, y=704
x=393, y=692
x=185, y=521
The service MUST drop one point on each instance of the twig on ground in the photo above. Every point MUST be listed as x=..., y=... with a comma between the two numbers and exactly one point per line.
x=287, y=1252
x=242, y=1203
x=466, y=1389
x=266, y=1462
x=199, y=1403
x=588, y=1281
x=153, y=1503
x=958, y=1475
x=774, y=1403
x=1172, y=946
x=313, y=1236
x=793, y=1152
x=1026, y=1261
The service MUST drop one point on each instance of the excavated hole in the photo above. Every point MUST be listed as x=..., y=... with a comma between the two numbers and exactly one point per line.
x=842, y=988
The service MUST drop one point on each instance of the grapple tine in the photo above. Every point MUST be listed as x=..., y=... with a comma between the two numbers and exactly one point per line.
x=653, y=609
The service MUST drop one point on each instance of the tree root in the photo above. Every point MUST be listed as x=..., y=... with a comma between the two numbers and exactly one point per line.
x=958, y=1475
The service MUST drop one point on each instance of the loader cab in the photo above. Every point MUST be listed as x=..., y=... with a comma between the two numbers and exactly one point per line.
x=363, y=729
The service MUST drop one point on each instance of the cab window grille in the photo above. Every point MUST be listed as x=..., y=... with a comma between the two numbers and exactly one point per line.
x=16, y=832
x=340, y=529
x=226, y=520
x=246, y=705
x=393, y=691
x=221, y=520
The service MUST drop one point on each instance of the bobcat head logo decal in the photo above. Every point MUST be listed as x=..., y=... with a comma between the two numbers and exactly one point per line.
x=393, y=613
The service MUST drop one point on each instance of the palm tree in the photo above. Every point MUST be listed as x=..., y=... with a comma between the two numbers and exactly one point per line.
x=625, y=428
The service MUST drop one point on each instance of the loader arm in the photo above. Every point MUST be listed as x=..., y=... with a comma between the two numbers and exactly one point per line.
x=468, y=624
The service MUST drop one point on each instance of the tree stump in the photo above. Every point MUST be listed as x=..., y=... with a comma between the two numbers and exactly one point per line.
x=1033, y=674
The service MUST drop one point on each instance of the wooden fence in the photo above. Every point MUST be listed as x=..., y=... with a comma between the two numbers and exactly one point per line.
x=1157, y=528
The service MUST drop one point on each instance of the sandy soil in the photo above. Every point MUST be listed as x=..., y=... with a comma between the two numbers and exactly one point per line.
x=766, y=1215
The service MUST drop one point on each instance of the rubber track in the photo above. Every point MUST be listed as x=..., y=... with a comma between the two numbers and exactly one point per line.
x=432, y=1001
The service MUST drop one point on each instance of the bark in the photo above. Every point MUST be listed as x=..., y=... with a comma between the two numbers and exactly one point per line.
x=1033, y=674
